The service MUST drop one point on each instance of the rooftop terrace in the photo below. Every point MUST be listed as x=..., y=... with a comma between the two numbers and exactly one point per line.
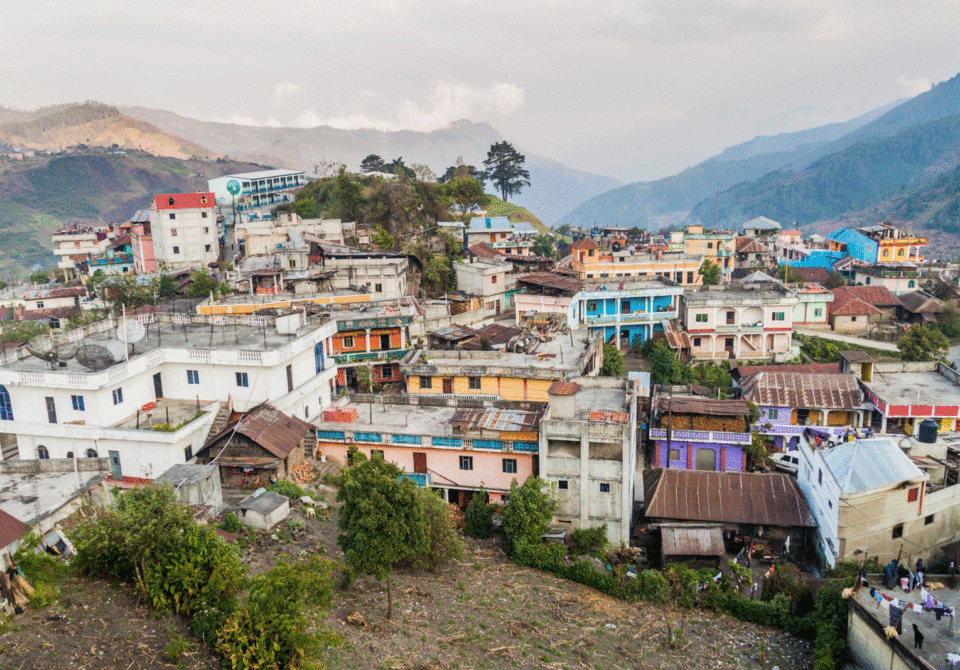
x=914, y=388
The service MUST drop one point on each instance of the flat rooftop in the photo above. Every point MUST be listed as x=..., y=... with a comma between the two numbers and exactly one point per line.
x=630, y=283
x=562, y=353
x=600, y=400
x=31, y=496
x=903, y=388
x=728, y=294
x=167, y=411
x=401, y=419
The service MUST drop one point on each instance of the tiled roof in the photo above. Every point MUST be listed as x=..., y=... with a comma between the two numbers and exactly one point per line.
x=814, y=368
x=852, y=306
x=802, y=390
x=563, y=388
x=750, y=245
x=11, y=529
x=726, y=497
x=814, y=275
x=484, y=250
x=184, y=200
x=878, y=296
x=52, y=313
x=919, y=302
x=585, y=244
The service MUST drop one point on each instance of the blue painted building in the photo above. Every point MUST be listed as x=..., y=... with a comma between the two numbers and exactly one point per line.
x=855, y=244
x=628, y=309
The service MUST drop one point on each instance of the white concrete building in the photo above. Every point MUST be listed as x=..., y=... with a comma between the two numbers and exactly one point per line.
x=74, y=244
x=155, y=407
x=263, y=237
x=488, y=280
x=184, y=229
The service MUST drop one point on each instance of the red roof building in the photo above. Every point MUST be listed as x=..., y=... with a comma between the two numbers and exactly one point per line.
x=184, y=201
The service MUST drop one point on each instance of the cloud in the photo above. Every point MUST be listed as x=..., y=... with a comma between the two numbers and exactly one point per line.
x=281, y=90
x=915, y=86
x=446, y=104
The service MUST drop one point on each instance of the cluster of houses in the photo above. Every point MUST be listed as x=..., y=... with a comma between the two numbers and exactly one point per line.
x=325, y=345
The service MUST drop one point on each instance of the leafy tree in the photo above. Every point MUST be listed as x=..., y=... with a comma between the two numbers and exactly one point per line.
x=380, y=522
x=383, y=239
x=364, y=379
x=372, y=163
x=710, y=272
x=543, y=246
x=399, y=168
x=3, y=284
x=462, y=170
x=423, y=172
x=438, y=276
x=613, y=362
x=123, y=291
x=948, y=321
x=346, y=199
x=713, y=375
x=922, y=343
x=466, y=193
x=40, y=277
x=635, y=233
x=24, y=331
x=165, y=286
x=528, y=513
x=203, y=284
x=443, y=543
x=665, y=366
x=505, y=169
x=478, y=519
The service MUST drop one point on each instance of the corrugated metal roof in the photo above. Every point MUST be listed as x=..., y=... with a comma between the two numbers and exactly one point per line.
x=818, y=368
x=453, y=332
x=496, y=419
x=762, y=223
x=692, y=540
x=866, y=464
x=271, y=429
x=551, y=280
x=484, y=250
x=709, y=406
x=726, y=497
x=802, y=389
x=563, y=388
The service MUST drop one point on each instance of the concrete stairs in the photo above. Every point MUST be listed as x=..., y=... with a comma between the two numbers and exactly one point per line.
x=219, y=421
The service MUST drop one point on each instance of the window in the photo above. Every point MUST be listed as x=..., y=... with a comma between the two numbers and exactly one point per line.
x=778, y=316
x=563, y=485
x=820, y=477
x=117, y=396
x=818, y=312
x=474, y=383
x=376, y=453
x=193, y=376
x=77, y=402
x=188, y=452
x=466, y=462
x=206, y=247
x=897, y=531
x=42, y=452
x=913, y=494
x=690, y=277
x=696, y=341
x=176, y=250
x=701, y=318
x=928, y=520
x=173, y=232
x=289, y=378
x=51, y=410
x=493, y=279
x=348, y=342
x=592, y=306
x=39, y=304
x=510, y=465
x=426, y=382
x=911, y=284
x=203, y=215
x=673, y=455
x=731, y=317
x=604, y=488
x=773, y=414
x=853, y=318
x=318, y=357
x=242, y=379
x=378, y=288
x=69, y=454
x=830, y=504
x=172, y=216
x=91, y=453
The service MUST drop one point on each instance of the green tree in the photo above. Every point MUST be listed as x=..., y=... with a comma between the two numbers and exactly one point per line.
x=23, y=331
x=202, y=284
x=364, y=379
x=165, y=286
x=948, y=321
x=346, y=199
x=383, y=239
x=443, y=543
x=399, y=168
x=710, y=272
x=923, y=343
x=372, y=163
x=462, y=170
x=478, y=519
x=505, y=169
x=438, y=276
x=665, y=366
x=466, y=193
x=528, y=513
x=40, y=277
x=613, y=361
x=380, y=522
x=124, y=291
x=543, y=246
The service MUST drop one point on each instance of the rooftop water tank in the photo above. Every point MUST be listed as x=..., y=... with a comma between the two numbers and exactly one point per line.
x=928, y=431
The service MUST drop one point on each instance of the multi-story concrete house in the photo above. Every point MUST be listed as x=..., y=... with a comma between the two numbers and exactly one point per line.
x=747, y=322
x=258, y=191
x=507, y=237
x=696, y=433
x=151, y=403
x=883, y=243
x=588, y=449
x=74, y=245
x=717, y=246
x=375, y=338
x=626, y=310
x=457, y=451
x=493, y=282
x=184, y=230
x=382, y=275
x=592, y=262
x=813, y=306
x=141, y=242
x=898, y=278
x=761, y=226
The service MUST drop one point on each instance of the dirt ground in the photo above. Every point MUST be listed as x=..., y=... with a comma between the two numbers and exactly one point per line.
x=481, y=612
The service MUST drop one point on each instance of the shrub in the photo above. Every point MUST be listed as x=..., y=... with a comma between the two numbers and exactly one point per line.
x=231, y=523
x=39, y=567
x=650, y=585
x=590, y=540
x=443, y=544
x=478, y=519
x=528, y=512
x=536, y=554
x=286, y=488
x=44, y=595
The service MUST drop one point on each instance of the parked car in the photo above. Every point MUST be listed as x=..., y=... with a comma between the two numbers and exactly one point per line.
x=787, y=462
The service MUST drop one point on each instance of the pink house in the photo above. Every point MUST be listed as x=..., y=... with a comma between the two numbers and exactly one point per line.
x=141, y=242
x=457, y=451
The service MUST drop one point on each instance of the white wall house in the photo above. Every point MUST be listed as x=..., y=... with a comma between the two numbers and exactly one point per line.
x=183, y=364
x=184, y=228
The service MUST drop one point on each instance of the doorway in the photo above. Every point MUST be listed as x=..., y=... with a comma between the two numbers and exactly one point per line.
x=157, y=386
x=706, y=459
x=448, y=385
x=117, y=473
x=384, y=342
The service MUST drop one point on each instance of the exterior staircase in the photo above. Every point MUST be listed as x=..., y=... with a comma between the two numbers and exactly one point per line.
x=220, y=421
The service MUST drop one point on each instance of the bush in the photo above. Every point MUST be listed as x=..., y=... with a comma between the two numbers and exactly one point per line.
x=528, y=512
x=536, y=554
x=650, y=585
x=590, y=540
x=39, y=567
x=478, y=519
x=231, y=523
x=286, y=488
x=443, y=543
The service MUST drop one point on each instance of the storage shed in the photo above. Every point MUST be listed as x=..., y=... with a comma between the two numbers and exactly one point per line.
x=196, y=484
x=683, y=543
x=263, y=511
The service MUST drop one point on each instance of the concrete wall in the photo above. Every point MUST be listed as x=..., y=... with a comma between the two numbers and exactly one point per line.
x=869, y=647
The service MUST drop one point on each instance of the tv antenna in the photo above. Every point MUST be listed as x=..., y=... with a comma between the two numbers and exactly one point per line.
x=94, y=357
x=48, y=349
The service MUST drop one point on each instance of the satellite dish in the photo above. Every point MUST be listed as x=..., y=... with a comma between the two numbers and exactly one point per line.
x=94, y=357
x=131, y=330
x=117, y=350
x=48, y=349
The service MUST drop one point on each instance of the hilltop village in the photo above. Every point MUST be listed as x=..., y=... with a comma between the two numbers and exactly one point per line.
x=693, y=397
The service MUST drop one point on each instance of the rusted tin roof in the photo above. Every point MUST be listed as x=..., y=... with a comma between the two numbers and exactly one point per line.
x=818, y=368
x=453, y=332
x=551, y=280
x=726, y=497
x=802, y=389
x=563, y=388
x=691, y=540
x=504, y=420
x=709, y=406
x=270, y=428
x=11, y=529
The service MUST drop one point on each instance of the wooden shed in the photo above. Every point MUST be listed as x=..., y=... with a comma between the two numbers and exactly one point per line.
x=697, y=543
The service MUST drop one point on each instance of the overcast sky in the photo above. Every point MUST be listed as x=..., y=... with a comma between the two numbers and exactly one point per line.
x=633, y=90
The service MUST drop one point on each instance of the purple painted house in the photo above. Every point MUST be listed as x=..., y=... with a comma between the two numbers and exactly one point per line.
x=695, y=433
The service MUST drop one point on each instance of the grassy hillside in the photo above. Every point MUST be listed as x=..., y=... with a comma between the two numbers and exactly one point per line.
x=95, y=125
x=498, y=207
x=39, y=196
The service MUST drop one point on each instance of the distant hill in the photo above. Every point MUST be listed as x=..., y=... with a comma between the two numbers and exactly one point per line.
x=633, y=204
x=38, y=196
x=554, y=190
x=94, y=125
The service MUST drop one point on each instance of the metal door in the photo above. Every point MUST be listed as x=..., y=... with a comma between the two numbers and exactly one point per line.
x=157, y=386
x=420, y=462
x=706, y=459
x=115, y=465
x=447, y=385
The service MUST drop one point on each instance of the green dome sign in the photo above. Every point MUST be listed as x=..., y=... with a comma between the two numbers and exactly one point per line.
x=233, y=186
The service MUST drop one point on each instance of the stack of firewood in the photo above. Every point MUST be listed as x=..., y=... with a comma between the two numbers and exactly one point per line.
x=14, y=587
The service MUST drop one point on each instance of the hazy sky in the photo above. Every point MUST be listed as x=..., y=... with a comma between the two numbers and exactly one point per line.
x=627, y=89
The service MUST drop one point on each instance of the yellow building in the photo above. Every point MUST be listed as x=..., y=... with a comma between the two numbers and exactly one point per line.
x=592, y=262
x=718, y=246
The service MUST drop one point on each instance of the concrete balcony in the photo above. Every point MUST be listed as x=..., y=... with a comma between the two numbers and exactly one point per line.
x=370, y=356
x=739, y=328
x=701, y=436
x=635, y=317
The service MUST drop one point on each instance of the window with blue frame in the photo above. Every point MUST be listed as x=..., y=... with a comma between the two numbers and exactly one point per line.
x=77, y=402
x=117, y=396
x=6, y=409
x=193, y=376
x=318, y=356
x=242, y=379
